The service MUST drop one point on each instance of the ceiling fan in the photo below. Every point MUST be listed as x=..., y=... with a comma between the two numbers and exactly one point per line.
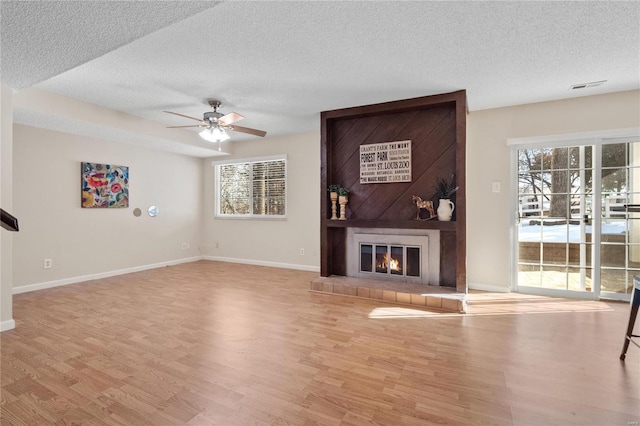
x=215, y=123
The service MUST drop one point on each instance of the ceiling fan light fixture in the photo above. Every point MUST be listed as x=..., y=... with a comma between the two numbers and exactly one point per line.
x=215, y=124
x=214, y=134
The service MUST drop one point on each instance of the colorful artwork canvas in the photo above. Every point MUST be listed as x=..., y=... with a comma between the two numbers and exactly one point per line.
x=105, y=186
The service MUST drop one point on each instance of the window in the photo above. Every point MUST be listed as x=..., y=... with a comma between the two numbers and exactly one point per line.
x=252, y=188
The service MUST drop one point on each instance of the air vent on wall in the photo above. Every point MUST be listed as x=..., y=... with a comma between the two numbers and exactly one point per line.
x=587, y=85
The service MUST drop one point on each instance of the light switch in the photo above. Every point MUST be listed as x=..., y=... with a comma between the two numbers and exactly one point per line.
x=495, y=187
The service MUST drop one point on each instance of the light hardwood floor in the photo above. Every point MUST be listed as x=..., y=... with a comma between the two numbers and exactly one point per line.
x=212, y=343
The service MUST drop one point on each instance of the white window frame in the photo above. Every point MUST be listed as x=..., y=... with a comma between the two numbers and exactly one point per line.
x=596, y=139
x=216, y=207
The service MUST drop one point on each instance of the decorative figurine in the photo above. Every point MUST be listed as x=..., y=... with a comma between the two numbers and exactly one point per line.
x=423, y=205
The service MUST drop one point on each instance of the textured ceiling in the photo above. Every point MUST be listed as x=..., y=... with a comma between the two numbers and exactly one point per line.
x=41, y=39
x=281, y=63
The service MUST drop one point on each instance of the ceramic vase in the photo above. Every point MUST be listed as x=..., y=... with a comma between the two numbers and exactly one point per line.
x=445, y=210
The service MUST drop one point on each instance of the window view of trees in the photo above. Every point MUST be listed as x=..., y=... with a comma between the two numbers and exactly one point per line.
x=551, y=180
x=255, y=188
x=234, y=189
x=269, y=188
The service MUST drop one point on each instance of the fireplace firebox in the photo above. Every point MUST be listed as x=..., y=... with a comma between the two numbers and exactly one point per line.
x=391, y=259
x=391, y=254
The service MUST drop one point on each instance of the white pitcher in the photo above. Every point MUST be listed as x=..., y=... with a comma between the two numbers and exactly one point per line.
x=445, y=209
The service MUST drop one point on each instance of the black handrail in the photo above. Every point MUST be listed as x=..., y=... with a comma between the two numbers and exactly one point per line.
x=9, y=222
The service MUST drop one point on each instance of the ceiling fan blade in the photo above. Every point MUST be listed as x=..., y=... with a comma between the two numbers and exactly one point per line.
x=185, y=116
x=256, y=132
x=232, y=117
x=191, y=125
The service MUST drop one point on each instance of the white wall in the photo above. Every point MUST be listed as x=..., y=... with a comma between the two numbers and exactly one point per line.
x=6, y=191
x=272, y=242
x=84, y=243
x=488, y=214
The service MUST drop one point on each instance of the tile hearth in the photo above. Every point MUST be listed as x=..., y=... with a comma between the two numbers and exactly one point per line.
x=415, y=295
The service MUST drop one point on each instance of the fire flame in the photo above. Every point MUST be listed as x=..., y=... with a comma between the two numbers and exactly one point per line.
x=393, y=264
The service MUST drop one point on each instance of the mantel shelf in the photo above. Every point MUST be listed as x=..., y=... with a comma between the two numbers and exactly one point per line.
x=408, y=224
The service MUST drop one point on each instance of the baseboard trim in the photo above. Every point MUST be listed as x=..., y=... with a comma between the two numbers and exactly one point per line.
x=82, y=278
x=7, y=325
x=488, y=287
x=263, y=263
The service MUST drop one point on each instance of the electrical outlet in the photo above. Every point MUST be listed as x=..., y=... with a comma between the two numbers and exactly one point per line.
x=301, y=252
x=48, y=264
x=185, y=246
x=495, y=186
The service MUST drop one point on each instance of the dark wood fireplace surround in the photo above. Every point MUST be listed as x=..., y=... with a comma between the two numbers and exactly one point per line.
x=436, y=126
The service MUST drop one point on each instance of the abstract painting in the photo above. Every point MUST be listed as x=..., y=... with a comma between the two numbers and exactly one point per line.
x=105, y=186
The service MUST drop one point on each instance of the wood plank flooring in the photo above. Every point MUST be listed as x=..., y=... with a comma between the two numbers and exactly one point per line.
x=211, y=343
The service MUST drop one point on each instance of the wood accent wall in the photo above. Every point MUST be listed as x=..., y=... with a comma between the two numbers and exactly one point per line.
x=436, y=126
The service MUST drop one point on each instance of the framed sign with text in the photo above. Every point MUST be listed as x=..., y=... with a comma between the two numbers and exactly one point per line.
x=386, y=162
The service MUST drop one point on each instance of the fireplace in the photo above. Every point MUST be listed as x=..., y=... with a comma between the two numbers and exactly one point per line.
x=394, y=254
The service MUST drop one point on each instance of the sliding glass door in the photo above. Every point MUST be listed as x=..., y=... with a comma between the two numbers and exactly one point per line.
x=620, y=218
x=578, y=219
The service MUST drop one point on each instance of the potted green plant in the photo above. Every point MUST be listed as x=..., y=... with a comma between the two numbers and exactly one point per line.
x=445, y=188
x=338, y=195
x=333, y=188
